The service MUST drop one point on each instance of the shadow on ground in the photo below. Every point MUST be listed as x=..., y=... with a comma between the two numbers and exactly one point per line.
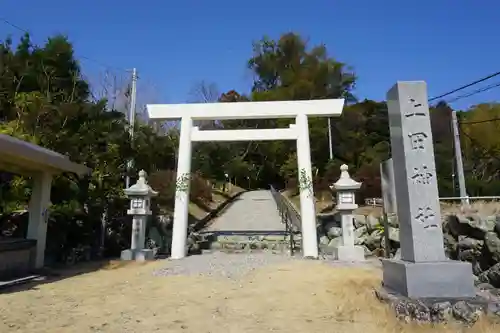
x=55, y=274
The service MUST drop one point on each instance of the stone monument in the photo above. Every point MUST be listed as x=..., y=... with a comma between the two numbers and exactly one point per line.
x=140, y=201
x=346, y=204
x=423, y=271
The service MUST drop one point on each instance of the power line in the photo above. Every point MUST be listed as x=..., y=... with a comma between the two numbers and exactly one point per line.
x=15, y=26
x=465, y=86
x=477, y=91
x=105, y=65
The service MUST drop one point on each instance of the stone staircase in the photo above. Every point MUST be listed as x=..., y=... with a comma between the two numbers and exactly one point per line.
x=244, y=241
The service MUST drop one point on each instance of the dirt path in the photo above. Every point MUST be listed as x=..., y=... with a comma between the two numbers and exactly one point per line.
x=277, y=298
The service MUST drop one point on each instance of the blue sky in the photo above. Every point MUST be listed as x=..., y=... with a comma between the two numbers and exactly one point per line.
x=175, y=44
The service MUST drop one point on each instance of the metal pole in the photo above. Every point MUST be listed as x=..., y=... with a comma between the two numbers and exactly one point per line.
x=453, y=167
x=458, y=159
x=387, y=243
x=131, y=120
x=330, y=146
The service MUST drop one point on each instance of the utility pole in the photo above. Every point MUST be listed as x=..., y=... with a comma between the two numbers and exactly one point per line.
x=458, y=159
x=330, y=146
x=131, y=119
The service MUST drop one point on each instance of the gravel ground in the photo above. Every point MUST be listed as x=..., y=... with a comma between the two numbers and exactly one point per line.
x=220, y=264
x=234, y=266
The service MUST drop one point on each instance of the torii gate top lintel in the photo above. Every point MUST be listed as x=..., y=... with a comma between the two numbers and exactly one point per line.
x=246, y=110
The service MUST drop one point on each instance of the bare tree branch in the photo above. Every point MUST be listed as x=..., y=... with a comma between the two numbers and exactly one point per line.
x=114, y=87
x=204, y=92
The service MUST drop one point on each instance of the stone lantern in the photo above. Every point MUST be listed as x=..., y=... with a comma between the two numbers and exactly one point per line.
x=346, y=204
x=140, y=195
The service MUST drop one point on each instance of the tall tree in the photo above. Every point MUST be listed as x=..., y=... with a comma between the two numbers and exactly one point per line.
x=44, y=99
x=288, y=69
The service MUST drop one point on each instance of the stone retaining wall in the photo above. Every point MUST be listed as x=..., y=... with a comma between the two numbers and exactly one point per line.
x=471, y=238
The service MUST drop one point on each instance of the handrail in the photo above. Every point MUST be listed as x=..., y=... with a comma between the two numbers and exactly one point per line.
x=289, y=216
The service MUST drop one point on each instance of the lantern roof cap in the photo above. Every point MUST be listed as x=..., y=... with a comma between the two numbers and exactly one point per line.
x=345, y=182
x=141, y=188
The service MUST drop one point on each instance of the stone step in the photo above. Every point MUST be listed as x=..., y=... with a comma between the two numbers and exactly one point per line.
x=249, y=241
x=248, y=235
x=251, y=247
x=253, y=238
x=254, y=243
x=247, y=251
x=13, y=282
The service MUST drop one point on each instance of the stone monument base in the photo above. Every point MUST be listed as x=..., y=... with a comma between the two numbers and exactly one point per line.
x=441, y=279
x=349, y=253
x=138, y=255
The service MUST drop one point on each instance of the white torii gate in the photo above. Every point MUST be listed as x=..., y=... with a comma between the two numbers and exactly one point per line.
x=300, y=110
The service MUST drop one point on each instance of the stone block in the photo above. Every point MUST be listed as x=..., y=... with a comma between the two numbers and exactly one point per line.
x=127, y=255
x=447, y=279
x=349, y=253
x=137, y=255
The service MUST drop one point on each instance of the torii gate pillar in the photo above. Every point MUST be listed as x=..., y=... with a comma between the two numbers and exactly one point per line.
x=179, y=233
x=307, y=207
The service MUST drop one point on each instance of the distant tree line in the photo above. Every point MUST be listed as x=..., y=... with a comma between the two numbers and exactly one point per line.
x=44, y=99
